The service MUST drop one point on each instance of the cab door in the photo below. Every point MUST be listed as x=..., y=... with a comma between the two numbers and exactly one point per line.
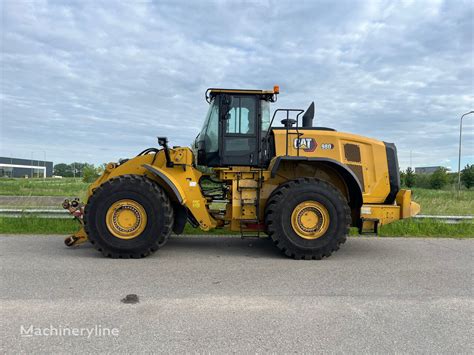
x=240, y=130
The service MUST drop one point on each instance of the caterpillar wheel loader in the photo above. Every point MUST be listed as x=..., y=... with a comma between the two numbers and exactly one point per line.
x=301, y=185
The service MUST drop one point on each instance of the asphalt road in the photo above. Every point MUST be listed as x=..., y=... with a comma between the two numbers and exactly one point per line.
x=223, y=294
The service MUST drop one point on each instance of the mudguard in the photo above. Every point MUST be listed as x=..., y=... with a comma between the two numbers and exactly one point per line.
x=169, y=183
x=354, y=185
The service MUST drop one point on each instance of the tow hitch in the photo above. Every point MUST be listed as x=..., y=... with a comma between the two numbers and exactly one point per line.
x=76, y=209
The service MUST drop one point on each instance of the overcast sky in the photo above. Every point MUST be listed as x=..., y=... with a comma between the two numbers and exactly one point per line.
x=99, y=80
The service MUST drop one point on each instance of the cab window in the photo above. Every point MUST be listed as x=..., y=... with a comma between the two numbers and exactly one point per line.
x=265, y=105
x=241, y=117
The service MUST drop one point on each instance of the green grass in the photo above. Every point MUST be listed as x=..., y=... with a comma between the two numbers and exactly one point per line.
x=36, y=225
x=67, y=187
x=444, y=202
x=436, y=202
x=406, y=228
x=427, y=228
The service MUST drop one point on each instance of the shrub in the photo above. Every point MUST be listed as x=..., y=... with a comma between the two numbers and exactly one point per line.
x=467, y=176
x=438, y=179
x=422, y=180
x=90, y=173
x=409, y=178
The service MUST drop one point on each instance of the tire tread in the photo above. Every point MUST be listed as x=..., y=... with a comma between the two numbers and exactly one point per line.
x=276, y=203
x=151, y=188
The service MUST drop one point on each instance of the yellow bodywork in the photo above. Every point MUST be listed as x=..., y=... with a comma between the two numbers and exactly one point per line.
x=183, y=176
x=373, y=162
x=249, y=188
x=252, y=187
x=404, y=208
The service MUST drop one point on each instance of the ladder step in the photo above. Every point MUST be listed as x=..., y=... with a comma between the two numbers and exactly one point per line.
x=248, y=203
x=375, y=222
x=247, y=184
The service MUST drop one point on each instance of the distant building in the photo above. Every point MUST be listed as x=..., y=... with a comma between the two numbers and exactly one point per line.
x=427, y=169
x=15, y=167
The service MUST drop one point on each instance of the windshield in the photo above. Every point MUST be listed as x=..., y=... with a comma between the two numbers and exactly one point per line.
x=210, y=129
x=237, y=123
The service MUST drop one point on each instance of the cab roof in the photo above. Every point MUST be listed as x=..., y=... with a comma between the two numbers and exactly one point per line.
x=211, y=92
x=240, y=91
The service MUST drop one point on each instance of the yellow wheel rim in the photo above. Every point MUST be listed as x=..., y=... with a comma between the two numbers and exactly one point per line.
x=310, y=220
x=126, y=219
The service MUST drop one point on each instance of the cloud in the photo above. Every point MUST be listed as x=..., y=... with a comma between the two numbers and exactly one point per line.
x=98, y=81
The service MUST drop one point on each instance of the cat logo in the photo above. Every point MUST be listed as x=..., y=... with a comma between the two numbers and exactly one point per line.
x=306, y=144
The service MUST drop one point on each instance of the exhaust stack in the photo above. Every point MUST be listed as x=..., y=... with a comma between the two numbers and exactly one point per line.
x=308, y=116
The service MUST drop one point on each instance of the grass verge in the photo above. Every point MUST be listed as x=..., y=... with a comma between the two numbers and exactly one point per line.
x=427, y=228
x=36, y=225
x=67, y=187
x=444, y=202
x=405, y=228
x=437, y=202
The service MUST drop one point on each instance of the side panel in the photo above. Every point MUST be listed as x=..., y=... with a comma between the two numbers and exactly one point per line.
x=366, y=157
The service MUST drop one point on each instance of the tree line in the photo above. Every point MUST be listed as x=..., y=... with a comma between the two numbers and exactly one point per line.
x=438, y=179
x=87, y=172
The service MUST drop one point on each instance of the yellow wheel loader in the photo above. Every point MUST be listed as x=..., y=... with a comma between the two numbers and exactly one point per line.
x=301, y=185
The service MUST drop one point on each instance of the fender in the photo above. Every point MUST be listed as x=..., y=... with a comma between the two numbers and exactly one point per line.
x=353, y=183
x=168, y=182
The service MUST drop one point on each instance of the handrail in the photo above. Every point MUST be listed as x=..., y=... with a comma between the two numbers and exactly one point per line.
x=287, y=110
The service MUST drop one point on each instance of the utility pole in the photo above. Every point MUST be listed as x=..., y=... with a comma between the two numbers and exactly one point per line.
x=44, y=164
x=460, y=141
x=411, y=165
x=31, y=174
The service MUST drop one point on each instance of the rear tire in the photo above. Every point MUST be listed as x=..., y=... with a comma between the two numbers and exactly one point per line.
x=313, y=238
x=152, y=213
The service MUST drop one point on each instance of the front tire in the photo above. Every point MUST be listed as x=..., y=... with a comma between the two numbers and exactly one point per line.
x=307, y=218
x=129, y=216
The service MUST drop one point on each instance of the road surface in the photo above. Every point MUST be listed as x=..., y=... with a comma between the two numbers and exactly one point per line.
x=223, y=294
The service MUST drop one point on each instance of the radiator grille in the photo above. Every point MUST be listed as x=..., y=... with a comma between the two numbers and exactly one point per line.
x=352, y=152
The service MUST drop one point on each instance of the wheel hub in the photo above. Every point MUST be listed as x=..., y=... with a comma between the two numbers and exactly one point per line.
x=126, y=219
x=310, y=219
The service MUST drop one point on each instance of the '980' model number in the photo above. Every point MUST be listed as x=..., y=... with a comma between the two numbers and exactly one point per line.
x=327, y=146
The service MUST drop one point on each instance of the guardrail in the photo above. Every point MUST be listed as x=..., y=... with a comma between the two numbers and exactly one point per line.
x=446, y=219
x=41, y=213
x=57, y=213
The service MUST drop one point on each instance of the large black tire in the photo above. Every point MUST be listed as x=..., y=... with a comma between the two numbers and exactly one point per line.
x=283, y=201
x=153, y=200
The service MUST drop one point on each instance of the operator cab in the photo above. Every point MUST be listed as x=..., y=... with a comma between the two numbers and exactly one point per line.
x=235, y=124
x=237, y=128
